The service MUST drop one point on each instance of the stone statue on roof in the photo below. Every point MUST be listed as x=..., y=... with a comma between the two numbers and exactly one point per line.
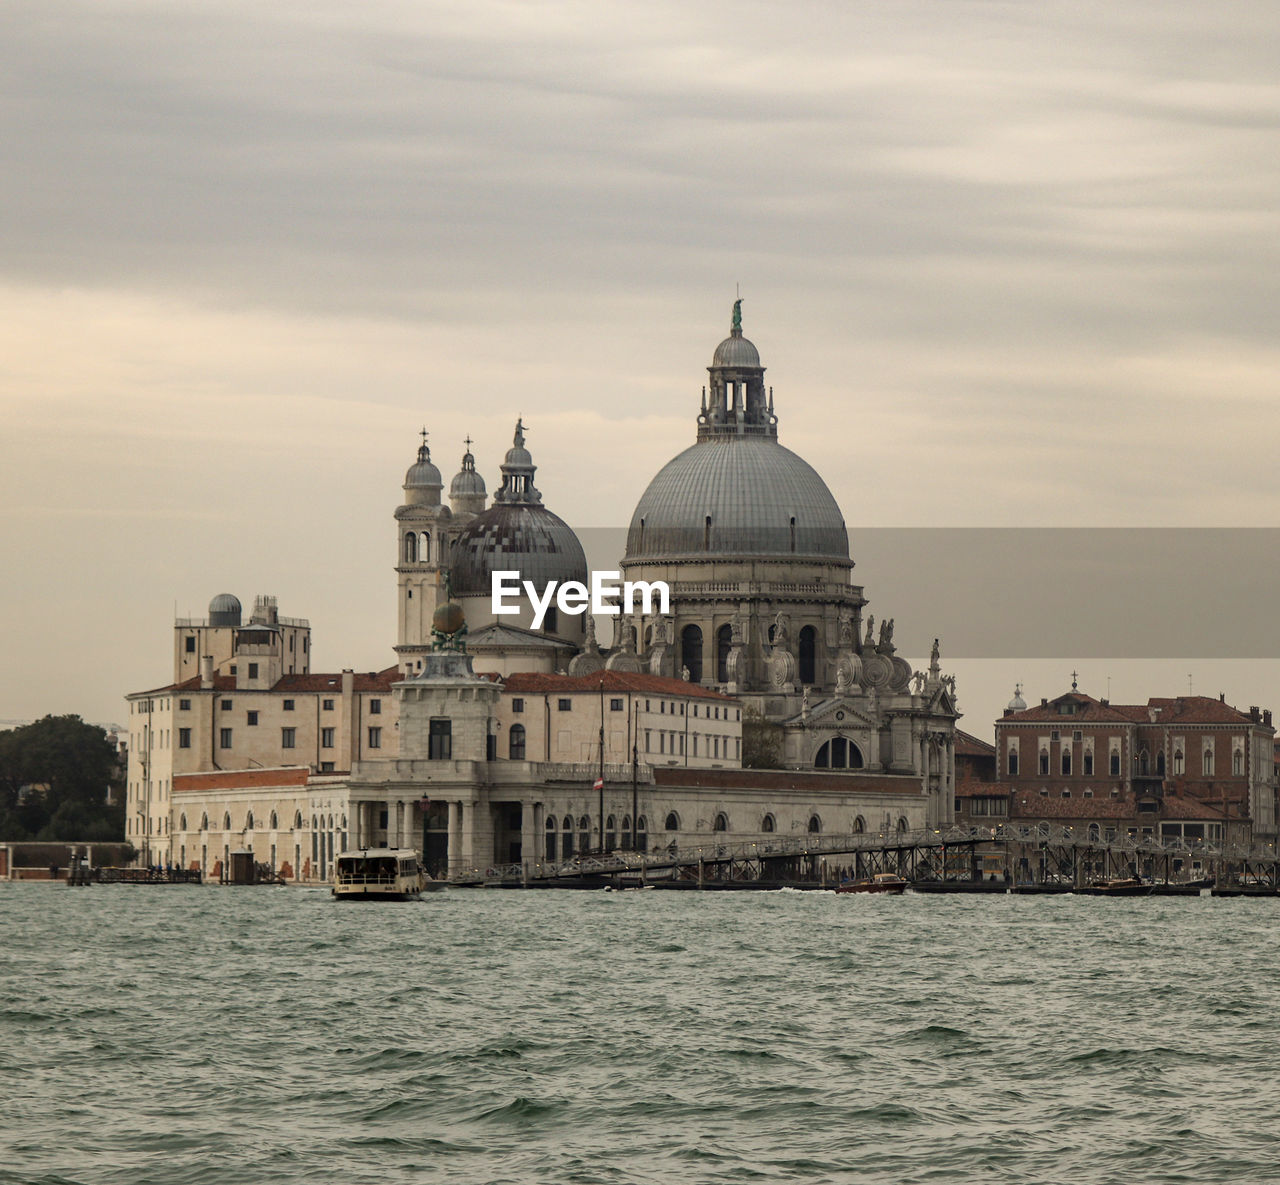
x=518, y=440
x=737, y=315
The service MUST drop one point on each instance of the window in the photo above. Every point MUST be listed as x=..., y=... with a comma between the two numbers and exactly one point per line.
x=253, y=670
x=1066, y=763
x=564, y=705
x=184, y=705
x=1013, y=764
x=288, y=705
x=375, y=737
x=615, y=705
x=226, y=705
x=288, y=737
x=584, y=834
x=1115, y=765
x=815, y=825
x=690, y=653
x=515, y=742
x=567, y=844
x=1237, y=763
x=252, y=718
x=375, y=707
x=326, y=767
x=326, y=738
x=672, y=822
x=838, y=753
x=1088, y=763
x=224, y=738
x=551, y=839
x=190, y=643
x=517, y=705
x=768, y=823
x=248, y=821
x=226, y=821
x=184, y=738
x=1044, y=762
x=1208, y=763
x=610, y=833
x=326, y=705
x=440, y=740
x=642, y=838
x=721, y=823
x=807, y=653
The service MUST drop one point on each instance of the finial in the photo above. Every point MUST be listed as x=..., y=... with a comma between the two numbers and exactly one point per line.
x=424, y=453
x=1074, y=677
x=736, y=326
x=468, y=442
x=518, y=440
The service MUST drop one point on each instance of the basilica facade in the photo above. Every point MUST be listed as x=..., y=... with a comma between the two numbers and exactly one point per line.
x=488, y=739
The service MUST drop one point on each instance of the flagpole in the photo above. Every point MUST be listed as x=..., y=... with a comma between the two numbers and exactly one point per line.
x=600, y=779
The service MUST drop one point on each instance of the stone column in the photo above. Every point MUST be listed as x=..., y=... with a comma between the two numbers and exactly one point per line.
x=455, y=837
x=528, y=836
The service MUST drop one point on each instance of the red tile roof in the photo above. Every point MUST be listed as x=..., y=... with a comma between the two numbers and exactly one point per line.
x=1038, y=806
x=531, y=683
x=1182, y=709
x=362, y=681
x=972, y=788
x=971, y=746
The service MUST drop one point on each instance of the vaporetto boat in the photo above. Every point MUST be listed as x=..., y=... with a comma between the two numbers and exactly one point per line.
x=379, y=874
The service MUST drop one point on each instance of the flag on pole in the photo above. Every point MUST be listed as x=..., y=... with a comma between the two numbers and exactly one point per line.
x=598, y=784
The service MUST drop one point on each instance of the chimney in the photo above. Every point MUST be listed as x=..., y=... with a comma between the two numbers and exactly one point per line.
x=206, y=672
x=1255, y=714
x=1222, y=697
x=1044, y=702
x=1266, y=717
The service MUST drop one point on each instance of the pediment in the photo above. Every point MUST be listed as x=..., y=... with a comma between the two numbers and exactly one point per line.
x=838, y=714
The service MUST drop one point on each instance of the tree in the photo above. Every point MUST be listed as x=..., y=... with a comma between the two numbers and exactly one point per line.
x=55, y=776
x=761, y=741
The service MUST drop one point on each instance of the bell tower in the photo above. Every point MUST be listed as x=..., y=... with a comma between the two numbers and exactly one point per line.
x=422, y=542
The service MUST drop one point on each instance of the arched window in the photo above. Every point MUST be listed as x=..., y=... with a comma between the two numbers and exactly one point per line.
x=515, y=742
x=297, y=820
x=815, y=825
x=626, y=833
x=1179, y=762
x=1144, y=762
x=1115, y=764
x=672, y=823
x=691, y=652
x=424, y=548
x=1095, y=833
x=1208, y=763
x=1013, y=764
x=642, y=833
x=182, y=821
x=411, y=548
x=1044, y=762
x=768, y=824
x=610, y=833
x=1088, y=763
x=567, y=842
x=724, y=643
x=226, y=821
x=551, y=839
x=1237, y=763
x=859, y=825
x=584, y=833
x=274, y=821
x=807, y=647
x=204, y=821
x=1066, y=763
x=721, y=823
x=838, y=753
x=1160, y=763
x=902, y=825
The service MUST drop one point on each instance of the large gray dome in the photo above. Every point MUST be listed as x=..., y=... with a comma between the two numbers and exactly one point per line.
x=516, y=537
x=225, y=610
x=736, y=351
x=737, y=496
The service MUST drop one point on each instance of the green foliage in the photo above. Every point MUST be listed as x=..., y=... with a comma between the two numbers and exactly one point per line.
x=68, y=768
x=761, y=741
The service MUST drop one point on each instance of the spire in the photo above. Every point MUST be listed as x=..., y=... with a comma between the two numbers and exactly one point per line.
x=424, y=453
x=736, y=404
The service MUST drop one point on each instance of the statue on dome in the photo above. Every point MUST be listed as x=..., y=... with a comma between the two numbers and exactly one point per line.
x=518, y=440
x=737, y=315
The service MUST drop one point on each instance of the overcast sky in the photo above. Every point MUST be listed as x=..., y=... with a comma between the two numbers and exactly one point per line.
x=1006, y=263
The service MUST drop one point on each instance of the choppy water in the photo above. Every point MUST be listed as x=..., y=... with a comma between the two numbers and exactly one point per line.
x=194, y=1035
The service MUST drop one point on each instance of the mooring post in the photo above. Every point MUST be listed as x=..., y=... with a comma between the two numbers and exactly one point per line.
x=701, y=875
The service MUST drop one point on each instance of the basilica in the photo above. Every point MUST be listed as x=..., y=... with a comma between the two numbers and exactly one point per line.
x=763, y=700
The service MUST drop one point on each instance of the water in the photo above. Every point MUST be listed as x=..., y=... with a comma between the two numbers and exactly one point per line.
x=195, y=1034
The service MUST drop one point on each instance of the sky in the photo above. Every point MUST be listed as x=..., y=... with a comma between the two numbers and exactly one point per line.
x=1008, y=265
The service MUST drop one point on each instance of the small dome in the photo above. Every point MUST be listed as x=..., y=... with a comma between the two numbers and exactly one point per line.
x=225, y=610
x=519, y=457
x=467, y=482
x=518, y=537
x=1017, y=704
x=736, y=351
x=422, y=473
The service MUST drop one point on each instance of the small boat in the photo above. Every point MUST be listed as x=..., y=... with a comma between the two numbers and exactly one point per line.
x=378, y=874
x=882, y=882
x=1124, y=887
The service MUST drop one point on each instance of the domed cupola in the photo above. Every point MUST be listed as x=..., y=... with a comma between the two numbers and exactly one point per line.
x=517, y=533
x=737, y=492
x=1017, y=704
x=422, y=483
x=467, y=493
x=225, y=610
